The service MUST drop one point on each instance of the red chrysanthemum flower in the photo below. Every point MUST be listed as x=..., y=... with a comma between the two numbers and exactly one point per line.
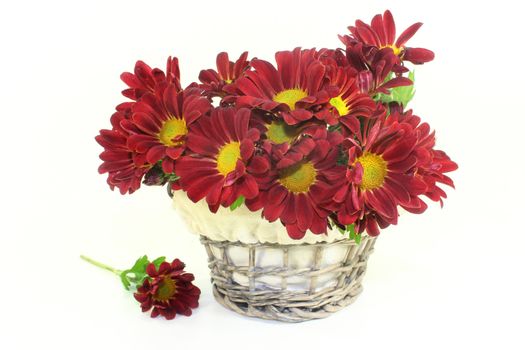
x=125, y=167
x=293, y=89
x=215, y=83
x=147, y=80
x=432, y=164
x=169, y=291
x=223, y=165
x=374, y=66
x=347, y=102
x=382, y=34
x=380, y=176
x=163, y=124
x=303, y=180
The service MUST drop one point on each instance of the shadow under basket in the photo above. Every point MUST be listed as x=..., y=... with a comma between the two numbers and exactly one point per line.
x=290, y=283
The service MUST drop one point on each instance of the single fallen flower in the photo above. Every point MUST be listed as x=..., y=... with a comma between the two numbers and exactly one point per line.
x=164, y=288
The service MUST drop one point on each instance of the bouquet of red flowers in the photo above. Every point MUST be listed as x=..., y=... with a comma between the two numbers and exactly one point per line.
x=322, y=139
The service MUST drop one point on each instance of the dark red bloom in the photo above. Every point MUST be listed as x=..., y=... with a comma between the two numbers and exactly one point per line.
x=125, y=167
x=214, y=82
x=304, y=178
x=147, y=80
x=169, y=291
x=163, y=124
x=380, y=176
x=293, y=89
x=374, y=67
x=392, y=164
x=432, y=164
x=223, y=163
x=381, y=33
x=347, y=102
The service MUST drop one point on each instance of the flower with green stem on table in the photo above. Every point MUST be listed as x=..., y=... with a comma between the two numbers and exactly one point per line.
x=160, y=286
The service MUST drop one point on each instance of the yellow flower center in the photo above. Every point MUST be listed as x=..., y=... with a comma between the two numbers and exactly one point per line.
x=374, y=170
x=290, y=97
x=340, y=105
x=228, y=81
x=298, y=178
x=171, y=129
x=397, y=50
x=280, y=132
x=228, y=156
x=167, y=289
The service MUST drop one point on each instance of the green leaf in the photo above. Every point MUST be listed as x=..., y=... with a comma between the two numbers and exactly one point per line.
x=172, y=177
x=352, y=234
x=238, y=202
x=124, y=279
x=350, y=229
x=137, y=274
x=141, y=264
x=404, y=94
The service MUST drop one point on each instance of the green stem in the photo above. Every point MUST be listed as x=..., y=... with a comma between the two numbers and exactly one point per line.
x=101, y=265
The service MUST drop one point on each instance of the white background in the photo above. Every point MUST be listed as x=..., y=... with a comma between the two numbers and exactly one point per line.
x=447, y=279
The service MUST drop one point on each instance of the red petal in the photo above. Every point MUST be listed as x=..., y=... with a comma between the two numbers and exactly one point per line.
x=214, y=195
x=273, y=211
x=276, y=195
x=377, y=26
x=168, y=165
x=381, y=203
x=155, y=154
x=407, y=34
x=341, y=194
x=319, y=225
x=164, y=268
x=418, y=55
x=151, y=270
x=223, y=65
x=371, y=227
x=174, y=152
x=390, y=27
x=304, y=212
x=397, y=81
x=367, y=35
x=300, y=115
x=295, y=232
x=287, y=65
x=398, y=191
x=250, y=188
x=400, y=151
x=146, y=123
x=289, y=215
x=315, y=75
x=258, y=165
x=176, y=264
x=198, y=189
x=247, y=149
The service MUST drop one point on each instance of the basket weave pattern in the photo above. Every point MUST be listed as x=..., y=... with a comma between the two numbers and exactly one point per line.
x=328, y=287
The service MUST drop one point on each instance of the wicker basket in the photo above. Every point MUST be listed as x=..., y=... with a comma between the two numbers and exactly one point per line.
x=290, y=283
